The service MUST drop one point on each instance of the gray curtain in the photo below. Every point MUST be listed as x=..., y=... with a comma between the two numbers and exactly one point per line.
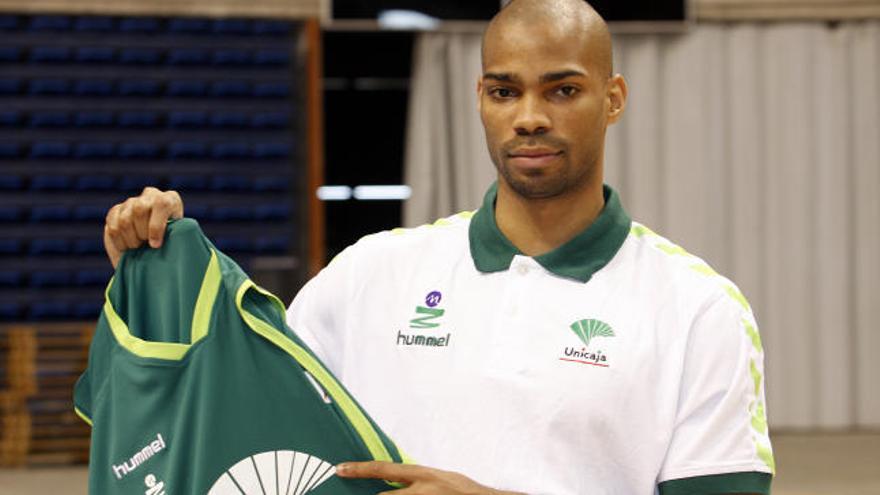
x=755, y=146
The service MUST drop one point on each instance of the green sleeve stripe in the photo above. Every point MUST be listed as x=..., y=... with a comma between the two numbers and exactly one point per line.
x=172, y=351
x=82, y=416
x=351, y=410
x=731, y=483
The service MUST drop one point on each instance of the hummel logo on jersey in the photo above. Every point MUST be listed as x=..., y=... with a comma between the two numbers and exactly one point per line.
x=140, y=457
x=587, y=330
x=426, y=317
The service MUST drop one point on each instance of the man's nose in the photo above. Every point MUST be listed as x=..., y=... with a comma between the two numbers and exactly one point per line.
x=531, y=117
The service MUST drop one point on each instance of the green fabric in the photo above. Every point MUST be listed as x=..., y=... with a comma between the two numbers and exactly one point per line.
x=732, y=483
x=579, y=258
x=232, y=395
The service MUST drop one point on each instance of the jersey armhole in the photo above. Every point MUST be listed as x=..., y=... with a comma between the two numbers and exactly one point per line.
x=751, y=482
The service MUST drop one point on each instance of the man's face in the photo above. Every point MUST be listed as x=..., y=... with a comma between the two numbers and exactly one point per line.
x=544, y=105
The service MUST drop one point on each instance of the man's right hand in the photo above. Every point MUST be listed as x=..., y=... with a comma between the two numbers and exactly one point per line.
x=139, y=219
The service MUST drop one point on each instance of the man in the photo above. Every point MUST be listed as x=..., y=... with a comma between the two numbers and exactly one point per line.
x=545, y=344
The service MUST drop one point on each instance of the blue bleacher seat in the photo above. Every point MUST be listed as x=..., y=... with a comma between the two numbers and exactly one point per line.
x=11, y=213
x=230, y=183
x=50, y=54
x=277, y=211
x=271, y=28
x=188, y=56
x=272, y=57
x=231, y=244
x=188, y=183
x=95, y=183
x=272, y=244
x=198, y=211
x=139, y=87
x=10, y=54
x=95, y=54
x=50, y=213
x=94, y=151
x=187, y=25
x=137, y=183
x=138, y=150
x=94, y=23
x=231, y=57
x=231, y=150
x=271, y=90
x=49, y=119
x=91, y=277
x=10, y=246
x=9, y=22
x=49, y=87
x=232, y=26
x=11, y=278
x=11, y=182
x=89, y=118
x=87, y=310
x=139, y=25
x=91, y=245
x=229, y=119
x=49, y=246
x=93, y=87
x=10, y=150
x=266, y=184
x=268, y=151
x=10, y=86
x=229, y=89
x=86, y=213
x=50, y=23
x=50, y=310
x=187, y=87
x=144, y=56
x=50, y=149
x=186, y=119
x=50, y=183
x=10, y=310
x=10, y=117
x=270, y=120
x=232, y=213
x=138, y=119
x=187, y=150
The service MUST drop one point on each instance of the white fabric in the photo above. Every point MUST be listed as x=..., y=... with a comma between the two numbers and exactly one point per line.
x=757, y=147
x=510, y=396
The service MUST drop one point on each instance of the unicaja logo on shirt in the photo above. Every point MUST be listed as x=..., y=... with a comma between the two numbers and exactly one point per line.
x=586, y=330
x=427, y=318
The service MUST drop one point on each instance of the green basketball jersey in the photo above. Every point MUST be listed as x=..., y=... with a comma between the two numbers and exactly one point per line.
x=195, y=385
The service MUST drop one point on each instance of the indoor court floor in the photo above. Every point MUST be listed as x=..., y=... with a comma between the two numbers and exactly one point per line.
x=807, y=464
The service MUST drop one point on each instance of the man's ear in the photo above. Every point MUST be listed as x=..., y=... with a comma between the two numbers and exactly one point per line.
x=617, y=92
x=479, y=93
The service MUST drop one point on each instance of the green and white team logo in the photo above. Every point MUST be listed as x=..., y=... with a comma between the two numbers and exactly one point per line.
x=286, y=472
x=427, y=318
x=586, y=330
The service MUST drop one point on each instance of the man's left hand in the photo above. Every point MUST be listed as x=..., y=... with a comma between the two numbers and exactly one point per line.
x=418, y=480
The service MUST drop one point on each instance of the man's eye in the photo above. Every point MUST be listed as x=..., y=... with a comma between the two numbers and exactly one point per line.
x=567, y=91
x=501, y=93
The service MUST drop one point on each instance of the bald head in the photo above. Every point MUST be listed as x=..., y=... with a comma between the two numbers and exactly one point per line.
x=572, y=20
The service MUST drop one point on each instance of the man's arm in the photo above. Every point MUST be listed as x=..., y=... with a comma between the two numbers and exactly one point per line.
x=417, y=480
x=140, y=219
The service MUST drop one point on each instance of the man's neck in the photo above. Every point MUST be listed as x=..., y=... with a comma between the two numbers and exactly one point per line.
x=538, y=226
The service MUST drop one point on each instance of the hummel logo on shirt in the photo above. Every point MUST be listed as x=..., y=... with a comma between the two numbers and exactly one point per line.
x=140, y=457
x=427, y=318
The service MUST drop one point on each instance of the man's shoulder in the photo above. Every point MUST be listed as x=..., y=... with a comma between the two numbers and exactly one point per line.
x=670, y=268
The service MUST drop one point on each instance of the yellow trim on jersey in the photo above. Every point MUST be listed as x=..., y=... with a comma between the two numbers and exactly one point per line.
x=82, y=416
x=172, y=351
x=351, y=410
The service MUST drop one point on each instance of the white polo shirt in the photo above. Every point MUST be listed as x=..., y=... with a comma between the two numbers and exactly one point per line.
x=615, y=364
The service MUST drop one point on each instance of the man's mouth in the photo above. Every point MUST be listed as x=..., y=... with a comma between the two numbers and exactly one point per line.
x=533, y=157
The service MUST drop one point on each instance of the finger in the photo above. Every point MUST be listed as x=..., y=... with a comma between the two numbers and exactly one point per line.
x=140, y=217
x=110, y=248
x=404, y=473
x=113, y=241
x=127, y=231
x=165, y=205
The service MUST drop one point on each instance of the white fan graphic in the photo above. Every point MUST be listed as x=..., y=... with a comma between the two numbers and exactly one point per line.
x=277, y=472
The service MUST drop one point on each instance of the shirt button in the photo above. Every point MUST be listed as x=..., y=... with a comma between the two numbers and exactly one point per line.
x=522, y=269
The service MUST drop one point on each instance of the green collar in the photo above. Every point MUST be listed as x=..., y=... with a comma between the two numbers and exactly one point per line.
x=578, y=258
